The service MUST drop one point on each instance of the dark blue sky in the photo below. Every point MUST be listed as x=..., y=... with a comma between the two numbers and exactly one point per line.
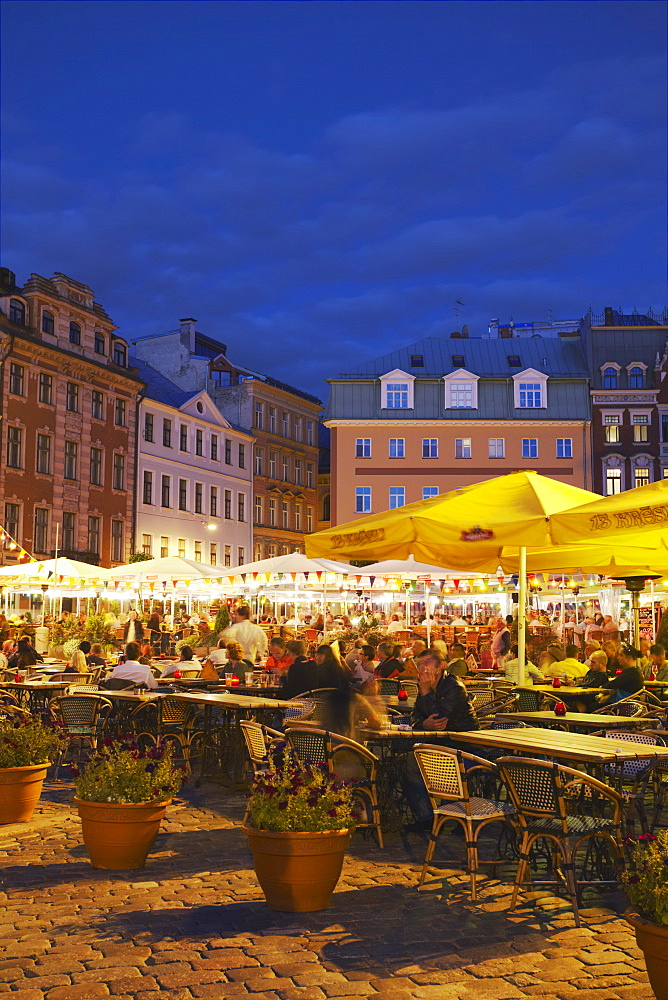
x=316, y=182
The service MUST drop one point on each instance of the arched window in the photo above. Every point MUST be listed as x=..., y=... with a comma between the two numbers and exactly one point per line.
x=99, y=343
x=609, y=378
x=120, y=354
x=17, y=311
x=75, y=333
x=326, y=508
x=636, y=378
x=48, y=323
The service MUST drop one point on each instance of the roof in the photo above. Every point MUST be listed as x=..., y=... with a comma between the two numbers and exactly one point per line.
x=487, y=358
x=160, y=388
x=625, y=347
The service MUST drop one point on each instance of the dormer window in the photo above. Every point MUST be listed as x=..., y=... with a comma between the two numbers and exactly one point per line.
x=99, y=343
x=530, y=390
x=636, y=374
x=17, y=312
x=514, y=361
x=610, y=378
x=75, y=333
x=417, y=361
x=48, y=323
x=461, y=390
x=120, y=354
x=397, y=390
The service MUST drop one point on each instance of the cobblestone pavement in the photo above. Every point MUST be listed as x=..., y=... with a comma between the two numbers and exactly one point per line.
x=193, y=923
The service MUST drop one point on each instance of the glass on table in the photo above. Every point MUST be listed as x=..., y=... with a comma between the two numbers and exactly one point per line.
x=249, y=677
x=228, y=678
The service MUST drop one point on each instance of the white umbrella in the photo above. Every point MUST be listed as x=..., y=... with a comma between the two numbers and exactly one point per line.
x=165, y=570
x=50, y=568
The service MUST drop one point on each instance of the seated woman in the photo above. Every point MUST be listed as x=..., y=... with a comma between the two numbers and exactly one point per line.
x=188, y=660
x=629, y=681
x=77, y=664
x=237, y=664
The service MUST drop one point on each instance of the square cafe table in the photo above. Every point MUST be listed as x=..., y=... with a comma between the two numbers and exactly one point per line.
x=585, y=720
x=35, y=695
x=564, y=691
x=555, y=743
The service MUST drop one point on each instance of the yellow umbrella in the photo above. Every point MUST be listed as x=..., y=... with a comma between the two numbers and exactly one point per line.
x=631, y=555
x=638, y=511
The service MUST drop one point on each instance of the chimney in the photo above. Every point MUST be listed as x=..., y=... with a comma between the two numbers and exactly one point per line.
x=609, y=319
x=188, y=333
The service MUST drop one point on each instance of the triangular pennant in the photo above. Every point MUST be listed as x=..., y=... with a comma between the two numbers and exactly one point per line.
x=371, y=580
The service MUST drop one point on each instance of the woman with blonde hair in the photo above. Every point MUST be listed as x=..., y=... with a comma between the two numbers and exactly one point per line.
x=78, y=663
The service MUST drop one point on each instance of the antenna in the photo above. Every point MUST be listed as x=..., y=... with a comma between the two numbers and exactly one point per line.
x=457, y=307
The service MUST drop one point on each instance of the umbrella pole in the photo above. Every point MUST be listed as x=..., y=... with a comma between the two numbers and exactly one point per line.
x=651, y=590
x=522, y=614
x=427, y=588
x=324, y=610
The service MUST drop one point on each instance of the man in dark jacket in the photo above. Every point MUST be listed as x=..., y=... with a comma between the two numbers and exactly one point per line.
x=302, y=674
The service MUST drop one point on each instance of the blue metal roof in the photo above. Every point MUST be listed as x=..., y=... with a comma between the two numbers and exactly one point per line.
x=158, y=387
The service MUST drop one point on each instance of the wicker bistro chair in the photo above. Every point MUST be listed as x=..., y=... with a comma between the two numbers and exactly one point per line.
x=317, y=699
x=84, y=716
x=348, y=760
x=446, y=776
x=168, y=719
x=528, y=701
x=539, y=792
x=297, y=711
x=487, y=702
x=388, y=687
x=258, y=740
x=632, y=777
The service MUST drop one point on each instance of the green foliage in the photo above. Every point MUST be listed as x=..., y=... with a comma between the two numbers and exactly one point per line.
x=222, y=620
x=139, y=557
x=30, y=742
x=62, y=631
x=300, y=798
x=190, y=640
x=367, y=623
x=70, y=646
x=97, y=630
x=121, y=772
x=647, y=881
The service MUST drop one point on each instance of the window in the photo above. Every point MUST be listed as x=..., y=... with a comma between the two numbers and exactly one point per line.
x=183, y=494
x=214, y=447
x=75, y=333
x=309, y=475
x=44, y=453
x=298, y=517
x=430, y=447
x=272, y=512
x=513, y=360
x=530, y=395
x=611, y=423
x=117, y=541
x=148, y=427
x=363, y=448
x=228, y=505
x=462, y=447
x=241, y=555
x=242, y=456
x=458, y=360
x=529, y=447
x=285, y=424
x=41, y=539
x=397, y=496
x=96, y=466
x=259, y=461
x=417, y=361
x=72, y=401
x=285, y=514
x=258, y=510
x=12, y=519
x=228, y=452
x=97, y=405
x=397, y=447
x=309, y=519
x=198, y=498
x=199, y=442
x=146, y=544
x=71, y=460
x=48, y=323
x=298, y=471
x=45, y=388
x=14, y=447
x=119, y=471
x=213, y=501
x=182, y=548
x=258, y=551
x=564, y=447
x=100, y=346
x=298, y=428
x=362, y=499
x=610, y=378
x=272, y=464
x=640, y=477
x=461, y=395
x=396, y=396
x=309, y=432
x=165, y=489
x=496, y=447
x=285, y=465
x=272, y=419
x=259, y=415
x=213, y=554
x=164, y=546
x=94, y=534
x=120, y=354
x=640, y=423
x=429, y=491
x=119, y=413
x=636, y=378
x=664, y=427
x=166, y=433
x=16, y=374
x=241, y=506
x=198, y=552
x=148, y=488
x=183, y=437
x=228, y=555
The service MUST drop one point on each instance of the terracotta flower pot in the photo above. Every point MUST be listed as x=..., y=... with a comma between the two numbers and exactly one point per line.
x=653, y=942
x=297, y=872
x=20, y=789
x=119, y=836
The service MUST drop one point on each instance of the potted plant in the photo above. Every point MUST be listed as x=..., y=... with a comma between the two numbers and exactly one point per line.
x=27, y=747
x=300, y=819
x=647, y=889
x=122, y=795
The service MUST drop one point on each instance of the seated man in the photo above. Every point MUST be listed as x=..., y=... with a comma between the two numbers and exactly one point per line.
x=277, y=661
x=133, y=671
x=389, y=665
x=532, y=674
x=657, y=655
x=457, y=663
x=571, y=666
x=596, y=677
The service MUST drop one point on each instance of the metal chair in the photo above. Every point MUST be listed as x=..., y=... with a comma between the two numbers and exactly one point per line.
x=537, y=789
x=447, y=777
x=528, y=701
x=297, y=711
x=84, y=716
x=167, y=719
x=388, y=687
x=258, y=739
x=631, y=777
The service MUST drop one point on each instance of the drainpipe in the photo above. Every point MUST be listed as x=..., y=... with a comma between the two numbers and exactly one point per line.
x=3, y=360
x=140, y=397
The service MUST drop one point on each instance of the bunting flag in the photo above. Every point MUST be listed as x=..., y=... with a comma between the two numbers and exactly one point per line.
x=306, y=577
x=243, y=577
x=319, y=574
x=358, y=578
x=255, y=576
x=441, y=584
x=268, y=577
x=207, y=581
x=231, y=579
x=456, y=584
x=151, y=587
x=294, y=577
x=371, y=580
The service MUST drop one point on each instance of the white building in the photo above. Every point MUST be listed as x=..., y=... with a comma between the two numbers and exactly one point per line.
x=194, y=477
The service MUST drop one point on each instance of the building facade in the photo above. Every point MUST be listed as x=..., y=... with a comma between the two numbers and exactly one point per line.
x=444, y=413
x=69, y=402
x=282, y=420
x=194, y=475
